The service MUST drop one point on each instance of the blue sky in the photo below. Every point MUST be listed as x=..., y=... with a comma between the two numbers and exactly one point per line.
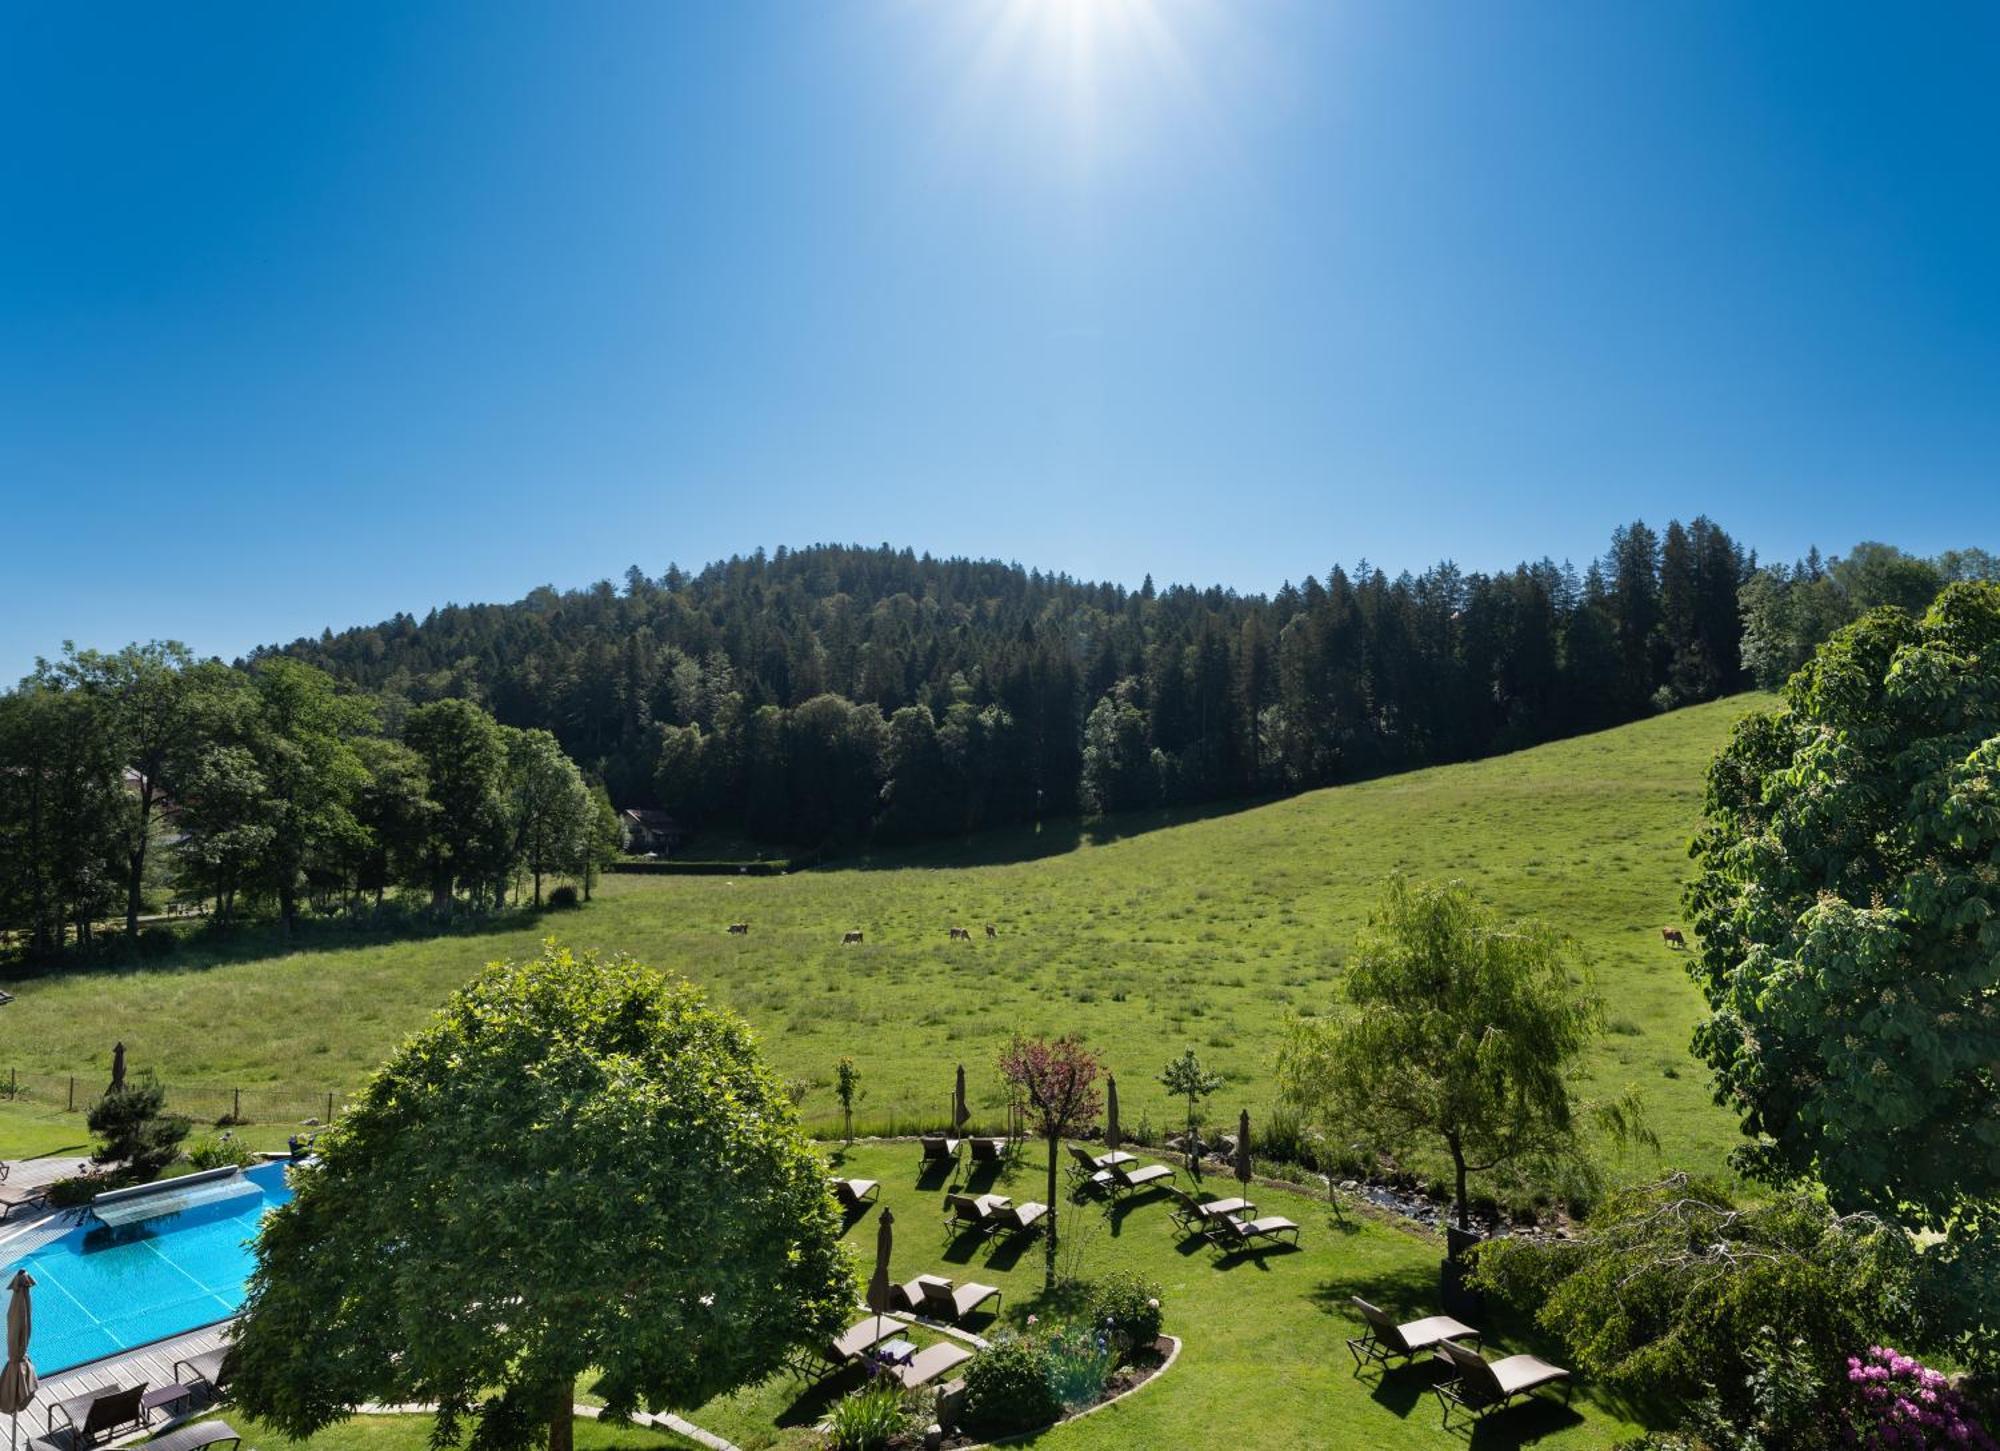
x=308, y=315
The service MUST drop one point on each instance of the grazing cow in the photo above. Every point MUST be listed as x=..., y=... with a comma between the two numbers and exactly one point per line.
x=1673, y=938
x=851, y=939
x=989, y=930
x=959, y=934
x=739, y=929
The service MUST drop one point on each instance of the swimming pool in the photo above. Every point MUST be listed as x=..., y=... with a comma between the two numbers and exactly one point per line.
x=102, y=1288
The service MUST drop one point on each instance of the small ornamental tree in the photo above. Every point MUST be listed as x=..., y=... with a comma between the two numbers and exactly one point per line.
x=580, y=1164
x=1462, y=1032
x=847, y=1088
x=1189, y=1078
x=135, y=1129
x=1848, y=906
x=1055, y=1080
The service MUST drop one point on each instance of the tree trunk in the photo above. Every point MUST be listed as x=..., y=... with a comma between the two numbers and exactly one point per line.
x=538, y=888
x=1049, y=1246
x=1463, y=1204
x=288, y=907
x=562, y=1419
x=136, y=875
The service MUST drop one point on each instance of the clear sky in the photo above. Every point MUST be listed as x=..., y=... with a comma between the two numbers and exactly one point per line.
x=312, y=314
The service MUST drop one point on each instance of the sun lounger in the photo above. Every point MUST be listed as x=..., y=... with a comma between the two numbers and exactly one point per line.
x=1385, y=1340
x=988, y=1151
x=13, y=1199
x=1019, y=1218
x=97, y=1414
x=1199, y=1215
x=940, y=1149
x=1234, y=1233
x=1482, y=1386
x=195, y=1437
x=209, y=1370
x=1086, y=1174
x=1125, y=1177
x=977, y=1213
x=928, y=1364
x=856, y=1194
x=816, y=1362
x=942, y=1300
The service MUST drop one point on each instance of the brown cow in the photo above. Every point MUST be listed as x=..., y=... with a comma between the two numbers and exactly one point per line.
x=851, y=939
x=739, y=929
x=1673, y=938
x=989, y=930
x=959, y=934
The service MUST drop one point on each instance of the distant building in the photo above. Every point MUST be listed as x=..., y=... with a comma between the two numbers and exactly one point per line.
x=650, y=832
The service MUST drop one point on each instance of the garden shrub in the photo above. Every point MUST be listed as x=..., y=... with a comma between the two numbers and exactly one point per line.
x=868, y=1419
x=1896, y=1402
x=1668, y=1290
x=79, y=1189
x=211, y=1152
x=158, y=941
x=1008, y=1386
x=1081, y=1359
x=564, y=899
x=135, y=1129
x=1127, y=1306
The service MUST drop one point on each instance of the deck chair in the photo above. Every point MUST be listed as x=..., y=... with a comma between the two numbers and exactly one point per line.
x=951, y=1303
x=1198, y=1216
x=98, y=1414
x=816, y=1362
x=196, y=1437
x=1385, y=1340
x=1086, y=1174
x=988, y=1151
x=208, y=1371
x=1126, y=1178
x=928, y=1364
x=1019, y=1218
x=940, y=1149
x=1232, y=1232
x=1481, y=1386
x=13, y=1199
x=978, y=1214
x=856, y=1194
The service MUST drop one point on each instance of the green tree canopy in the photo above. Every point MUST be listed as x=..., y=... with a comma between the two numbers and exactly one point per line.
x=1460, y=1030
x=1848, y=904
x=579, y=1164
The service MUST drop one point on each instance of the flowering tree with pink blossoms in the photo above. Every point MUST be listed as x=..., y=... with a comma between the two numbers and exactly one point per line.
x=1899, y=1404
x=1055, y=1080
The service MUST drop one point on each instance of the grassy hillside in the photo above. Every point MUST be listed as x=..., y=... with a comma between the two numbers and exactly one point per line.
x=1198, y=932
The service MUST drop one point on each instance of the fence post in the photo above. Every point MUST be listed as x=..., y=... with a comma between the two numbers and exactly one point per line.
x=236, y=1105
x=72, y=1093
x=329, y=1110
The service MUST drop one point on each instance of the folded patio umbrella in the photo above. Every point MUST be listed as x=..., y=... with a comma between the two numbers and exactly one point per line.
x=1111, y=1134
x=1243, y=1147
x=878, y=1284
x=959, y=1112
x=17, y=1378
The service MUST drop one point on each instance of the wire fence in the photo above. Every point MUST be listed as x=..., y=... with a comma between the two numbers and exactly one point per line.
x=202, y=1102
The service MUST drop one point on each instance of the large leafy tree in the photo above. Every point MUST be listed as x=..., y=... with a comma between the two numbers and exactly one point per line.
x=550, y=805
x=1848, y=905
x=1462, y=1032
x=580, y=1164
x=464, y=756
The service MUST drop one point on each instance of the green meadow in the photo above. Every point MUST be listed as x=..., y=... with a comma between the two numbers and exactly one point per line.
x=1145, y=935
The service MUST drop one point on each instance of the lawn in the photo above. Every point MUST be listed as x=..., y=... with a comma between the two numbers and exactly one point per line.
x=1146, y=936
x=1262, y=1366
x=413, y=1433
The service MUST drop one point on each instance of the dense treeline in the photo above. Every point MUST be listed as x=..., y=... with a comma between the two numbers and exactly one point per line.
x=1788, y=613
x=134, y=779
x=837, y=693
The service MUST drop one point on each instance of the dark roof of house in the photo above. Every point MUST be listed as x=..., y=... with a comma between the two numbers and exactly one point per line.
x=651, y=820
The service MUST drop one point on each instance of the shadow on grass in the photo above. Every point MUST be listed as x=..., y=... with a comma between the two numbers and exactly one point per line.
x=815, y=1400
x=1116, y=1213
x=1007, y=845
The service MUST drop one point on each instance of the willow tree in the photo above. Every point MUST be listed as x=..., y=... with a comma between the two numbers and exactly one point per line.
x=1461, y=1030
x=579, y=1164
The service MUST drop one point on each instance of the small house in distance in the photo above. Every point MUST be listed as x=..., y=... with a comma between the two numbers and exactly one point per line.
x=649, y=833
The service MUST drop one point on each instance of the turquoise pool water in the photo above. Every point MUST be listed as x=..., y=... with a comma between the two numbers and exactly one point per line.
x=100, y=1289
